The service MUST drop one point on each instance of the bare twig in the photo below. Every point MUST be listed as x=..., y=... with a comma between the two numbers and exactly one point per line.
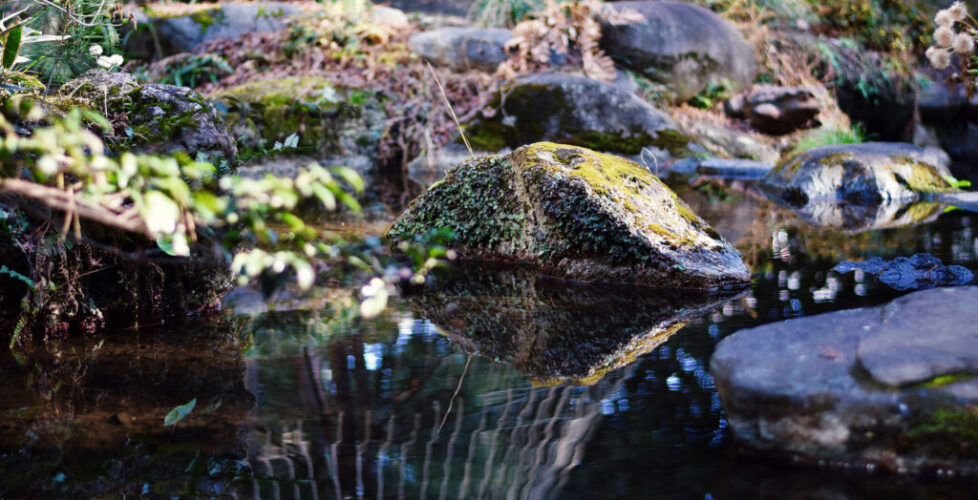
x=450, y=109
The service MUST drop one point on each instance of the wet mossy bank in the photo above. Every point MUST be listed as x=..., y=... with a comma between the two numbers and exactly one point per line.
x=575, y=214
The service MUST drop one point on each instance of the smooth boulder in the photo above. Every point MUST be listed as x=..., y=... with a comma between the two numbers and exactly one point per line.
x=462, y=48
x=575, y=214
x=681, y=44
x=893, y=386
x=577, y=110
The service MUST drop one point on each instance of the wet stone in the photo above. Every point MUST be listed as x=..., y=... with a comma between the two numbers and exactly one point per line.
x=918, y=272
x=926, y=336
x=819, y=388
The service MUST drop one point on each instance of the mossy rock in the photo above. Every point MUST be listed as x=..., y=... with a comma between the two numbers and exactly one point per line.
x=575, y=110
x=868, y=174
x=163, y=119
x=329, y=120
x=576, y=214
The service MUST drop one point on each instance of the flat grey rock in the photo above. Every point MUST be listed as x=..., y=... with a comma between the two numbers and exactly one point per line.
x=816, y=387
x=924, y=336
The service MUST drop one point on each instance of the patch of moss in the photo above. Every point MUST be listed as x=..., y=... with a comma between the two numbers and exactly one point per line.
x=326, y=117
x=948, y=432
x=478, y=204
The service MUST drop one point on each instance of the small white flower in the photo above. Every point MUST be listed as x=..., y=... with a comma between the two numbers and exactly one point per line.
x=944, y=19
x=108, y=62
x=963, y=44
x=943, y=36
x=958, y=11
x=940, y=59
x=95, y=50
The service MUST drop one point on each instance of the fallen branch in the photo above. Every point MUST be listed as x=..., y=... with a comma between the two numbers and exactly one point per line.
x=65, y=201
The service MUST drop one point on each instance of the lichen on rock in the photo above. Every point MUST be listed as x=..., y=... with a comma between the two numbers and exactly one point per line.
x=575, y=214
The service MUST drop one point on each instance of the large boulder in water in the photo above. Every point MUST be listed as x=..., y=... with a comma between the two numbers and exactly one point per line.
x=575, y=214
x=870, y=173
x=572, y=109
x=894, y=386
x=680, y=44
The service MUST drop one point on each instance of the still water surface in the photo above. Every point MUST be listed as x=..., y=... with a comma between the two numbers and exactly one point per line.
x=492, y=385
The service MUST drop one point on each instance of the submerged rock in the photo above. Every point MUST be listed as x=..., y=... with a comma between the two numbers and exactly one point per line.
x=552, y=331
x=865, y=174
x=894, y=386
x=575, y=214
x=681, y=44
x=919, y=272
x=462, y=48
x=576, y=110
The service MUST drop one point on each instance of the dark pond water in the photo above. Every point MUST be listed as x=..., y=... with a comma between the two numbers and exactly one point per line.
x=578, y=392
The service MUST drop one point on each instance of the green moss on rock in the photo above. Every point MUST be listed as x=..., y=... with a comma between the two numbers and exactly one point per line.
x=328, y=119
x=575, y=213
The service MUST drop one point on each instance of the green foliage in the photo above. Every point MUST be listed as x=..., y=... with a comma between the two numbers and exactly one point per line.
x=827, y=136
x=4, y=270
x=175, y=202
x=714, y=93
x=194, y=70
x=958, y=183
x=885, y=25
x=77, y=25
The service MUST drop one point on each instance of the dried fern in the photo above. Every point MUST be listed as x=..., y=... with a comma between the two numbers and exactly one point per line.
x=569, y=29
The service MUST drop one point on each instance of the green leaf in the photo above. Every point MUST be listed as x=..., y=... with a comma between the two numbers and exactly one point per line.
x=958, y=183
x=179, y=413
x=11, y=47
x=160, y=213
x=351, y=176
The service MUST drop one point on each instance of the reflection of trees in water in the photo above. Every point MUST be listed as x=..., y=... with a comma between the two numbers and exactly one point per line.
x=397, y=432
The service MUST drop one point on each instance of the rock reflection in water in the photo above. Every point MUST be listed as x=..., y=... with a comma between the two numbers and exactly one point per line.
x=84, y=417
x=395, y=414
x=392, y=409
x=554, y=331
x=856, y=218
